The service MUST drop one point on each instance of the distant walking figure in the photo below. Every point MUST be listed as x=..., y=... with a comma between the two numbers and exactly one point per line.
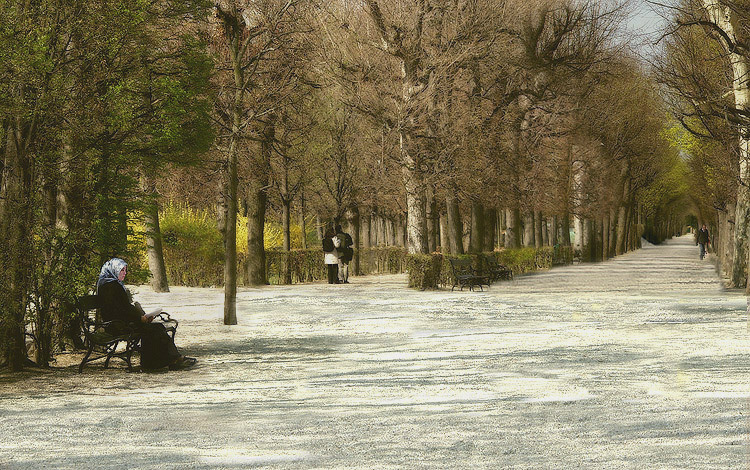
x=330, y=255
x=346, y=253
x=703, y=240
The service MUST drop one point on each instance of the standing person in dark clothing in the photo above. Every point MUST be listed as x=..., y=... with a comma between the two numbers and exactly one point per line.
x=331, y=256
x=157, y=347
x=703, y=240
x=346, y=253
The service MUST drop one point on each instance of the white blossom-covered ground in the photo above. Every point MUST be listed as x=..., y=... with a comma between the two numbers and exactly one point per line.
x=642, y=362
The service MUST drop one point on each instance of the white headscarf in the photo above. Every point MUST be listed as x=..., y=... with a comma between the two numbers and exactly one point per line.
x=111, y=272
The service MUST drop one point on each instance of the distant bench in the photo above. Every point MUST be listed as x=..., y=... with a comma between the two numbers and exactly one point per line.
x=103, y=339
x=464, y=275
x=498, y=271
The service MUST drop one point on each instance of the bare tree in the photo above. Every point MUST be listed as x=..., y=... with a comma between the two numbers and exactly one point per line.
x=250, y=40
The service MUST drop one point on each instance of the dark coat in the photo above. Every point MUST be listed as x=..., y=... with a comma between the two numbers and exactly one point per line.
x=703, y=236
x=347, y=253
x=116, y=304
x=157, y=348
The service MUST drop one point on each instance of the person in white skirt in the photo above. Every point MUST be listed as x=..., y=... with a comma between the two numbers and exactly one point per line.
x=331, y=243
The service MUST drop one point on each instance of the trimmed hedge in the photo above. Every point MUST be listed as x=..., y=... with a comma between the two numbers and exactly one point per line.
x=382, y=260
x=194, y=256
x=432, y=271
x=308, y=266
x=424, y=270
x=305, y=265
x=196, y=268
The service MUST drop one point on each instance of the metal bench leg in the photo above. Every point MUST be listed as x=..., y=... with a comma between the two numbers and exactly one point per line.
x=110, y=352
x=128, y=360
x=85, y=358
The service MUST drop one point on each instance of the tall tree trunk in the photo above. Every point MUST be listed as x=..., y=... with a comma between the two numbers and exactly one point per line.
x=352, y=216
x=256, y=217
x=490, y=225
x=154, y=248
x=374, y=228
x=404, y=241
x=286, y=222
x=501, y=227
x=15, y=260
x=728, y=239
x=416, y=228
x=628, y=229
x=612, y=247
x=599, y=242
x=565, y=229
x=257, y=200
x=587, y=240
x=727, y=20
x=465, y=233
x=230, y=242
x=286, y=210
x=528, y=229
x=513, y=231
x=538, y=230
x=230, y=219
x=319, y=228
x=433, y=229
x=302, y=221
x=445, y=247
x=605, y=236
x=476, y=236
x=365, y=231
x=621, y=231
x=554, y=229
x=381, y=230
x=46, y=300
x=455, y=225
x=287, y=238
x=395, y=232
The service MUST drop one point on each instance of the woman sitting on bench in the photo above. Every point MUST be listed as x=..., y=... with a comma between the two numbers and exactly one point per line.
x=157, y=347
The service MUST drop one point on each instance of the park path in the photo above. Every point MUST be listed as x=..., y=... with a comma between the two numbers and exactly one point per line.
x=640, y=362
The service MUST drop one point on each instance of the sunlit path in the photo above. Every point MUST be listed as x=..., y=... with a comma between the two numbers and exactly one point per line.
x=639, y=362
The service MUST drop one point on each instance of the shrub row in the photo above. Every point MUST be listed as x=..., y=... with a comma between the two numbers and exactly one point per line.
x=199, y=269
x=193, y=266
x=194, y=252
x=434, y=270
x=307, y=265
x=194, y=256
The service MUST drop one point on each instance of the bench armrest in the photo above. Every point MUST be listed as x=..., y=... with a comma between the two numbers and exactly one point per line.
x=164, y=317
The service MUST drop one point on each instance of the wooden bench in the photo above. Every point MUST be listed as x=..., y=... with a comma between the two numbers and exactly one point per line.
x=103, y=339
x=464, y=275
x=497, y=271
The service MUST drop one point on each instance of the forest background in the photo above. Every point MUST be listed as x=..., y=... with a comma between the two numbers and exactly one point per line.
x=210, y=143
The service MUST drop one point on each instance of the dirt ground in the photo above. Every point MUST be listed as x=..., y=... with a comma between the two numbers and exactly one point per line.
x=642, y=362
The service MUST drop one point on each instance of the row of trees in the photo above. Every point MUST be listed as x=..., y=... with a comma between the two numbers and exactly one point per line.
x=704, y=66
x=419, y=122
x=440, y=120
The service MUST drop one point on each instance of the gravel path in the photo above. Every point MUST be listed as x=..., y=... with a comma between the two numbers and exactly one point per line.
x=641, y=362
